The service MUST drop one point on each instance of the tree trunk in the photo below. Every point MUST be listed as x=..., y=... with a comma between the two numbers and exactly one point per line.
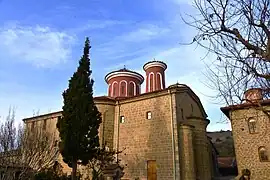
x=74, y=170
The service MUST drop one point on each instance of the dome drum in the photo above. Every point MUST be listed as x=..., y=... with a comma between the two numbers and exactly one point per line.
x=155, y=75
x=124, y=83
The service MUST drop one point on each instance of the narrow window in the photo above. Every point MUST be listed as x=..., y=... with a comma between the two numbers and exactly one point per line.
x=114, y=91
x=123, y=89
x=149, y=115
x=122, y=119
x=131, y=89
x=263, y=154
x=45, y=124
x=252, y=125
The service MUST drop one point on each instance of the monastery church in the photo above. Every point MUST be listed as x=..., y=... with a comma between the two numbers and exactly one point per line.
x=163, y=130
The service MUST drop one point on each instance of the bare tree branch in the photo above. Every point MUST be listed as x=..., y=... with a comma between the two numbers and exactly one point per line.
x=25, y=151
x=237, y=32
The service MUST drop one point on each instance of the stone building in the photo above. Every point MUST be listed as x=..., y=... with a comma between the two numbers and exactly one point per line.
x=251, y=133
x=163, y=130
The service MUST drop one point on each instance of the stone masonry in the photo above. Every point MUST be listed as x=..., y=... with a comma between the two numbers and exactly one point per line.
x=180, y=152
x=162, y=132
x=248, y=138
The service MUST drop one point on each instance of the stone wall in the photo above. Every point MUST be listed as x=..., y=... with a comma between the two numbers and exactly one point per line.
x=106, y=130
x=187, y=158
x=50, y=120
x=190, y=112
x=247, y=144
x=145, y=139
x=125, y=126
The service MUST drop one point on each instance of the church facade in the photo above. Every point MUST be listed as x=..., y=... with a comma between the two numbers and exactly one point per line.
x=162, y=131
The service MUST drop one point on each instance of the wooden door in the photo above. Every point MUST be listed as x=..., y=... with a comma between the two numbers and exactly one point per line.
x=151, y=170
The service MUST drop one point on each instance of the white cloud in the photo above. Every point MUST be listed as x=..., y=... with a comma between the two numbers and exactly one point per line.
x=38, y=45
x=134, y=43
x=98, y=24
x=179, y=2
x=144, y=33
x=41, y=46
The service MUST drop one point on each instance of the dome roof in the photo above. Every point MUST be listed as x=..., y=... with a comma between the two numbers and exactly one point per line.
x=122, y=73
x=154, y=64
x=177, y=85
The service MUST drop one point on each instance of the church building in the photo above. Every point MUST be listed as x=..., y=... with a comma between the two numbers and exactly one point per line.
x=162, y=131
x=250, y=121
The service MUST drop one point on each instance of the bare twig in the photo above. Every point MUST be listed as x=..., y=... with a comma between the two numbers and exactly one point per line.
x=238, y=33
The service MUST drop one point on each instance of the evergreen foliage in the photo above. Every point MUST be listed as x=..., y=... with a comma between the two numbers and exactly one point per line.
x=80, y=121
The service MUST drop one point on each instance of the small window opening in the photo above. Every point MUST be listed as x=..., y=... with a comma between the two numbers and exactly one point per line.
x=252, y=125
x=149, y=115
x=114, y=91
x=122, y=119
x=123, y=89
x=263, y=154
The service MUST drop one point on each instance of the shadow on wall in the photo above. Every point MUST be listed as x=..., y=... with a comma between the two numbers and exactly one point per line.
x=148, y=152
x=130, y=139
x=158, y=156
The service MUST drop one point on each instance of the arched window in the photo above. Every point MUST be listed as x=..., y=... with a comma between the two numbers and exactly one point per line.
x=263, y=154
x=159, y=81
x=151, y=82
x=114, y=88
x=114, y=91
x=252, y=125
x=123, y=89
x=131, y=88
x=123, y=86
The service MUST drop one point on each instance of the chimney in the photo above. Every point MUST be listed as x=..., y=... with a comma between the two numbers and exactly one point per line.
x=253, y=95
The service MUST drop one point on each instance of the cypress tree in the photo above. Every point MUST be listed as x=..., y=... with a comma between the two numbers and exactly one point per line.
x=79, y=124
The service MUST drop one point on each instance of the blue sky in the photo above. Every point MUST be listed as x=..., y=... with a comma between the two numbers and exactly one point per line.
x=42, y=41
